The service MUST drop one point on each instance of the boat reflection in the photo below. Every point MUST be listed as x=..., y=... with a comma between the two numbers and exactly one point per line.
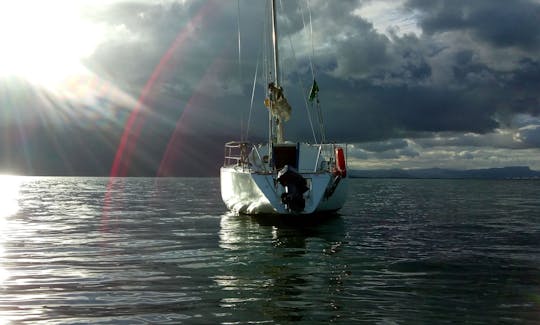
x=243, y=231
x=298, y=231
x=280, y=267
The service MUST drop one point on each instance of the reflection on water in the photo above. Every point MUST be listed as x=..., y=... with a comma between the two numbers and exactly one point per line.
x=160, y=251
x=9, y=196
x=9, y=205
x=283, y=265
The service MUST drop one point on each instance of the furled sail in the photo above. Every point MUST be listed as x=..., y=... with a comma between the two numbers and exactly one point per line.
x=277, y=103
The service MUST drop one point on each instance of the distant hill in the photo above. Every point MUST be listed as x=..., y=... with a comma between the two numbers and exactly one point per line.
x=516, y=172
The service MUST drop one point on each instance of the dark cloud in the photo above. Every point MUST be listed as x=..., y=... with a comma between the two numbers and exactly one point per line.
x=499, y=23
x=522, y=85
x=432, y=83
x=359, y=111
x=392, y=144
x=529, y=136
x=389, y=149
x=458, y=83
x=140, y=35
x=374, y=87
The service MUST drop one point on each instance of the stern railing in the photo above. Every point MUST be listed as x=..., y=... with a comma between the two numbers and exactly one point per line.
x=236, y=153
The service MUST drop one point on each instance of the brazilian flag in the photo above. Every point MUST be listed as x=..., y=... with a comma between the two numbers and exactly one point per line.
x=314, y=91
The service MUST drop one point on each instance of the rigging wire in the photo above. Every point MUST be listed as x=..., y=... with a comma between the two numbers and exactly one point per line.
x=268, y=74
x=239, y=41
x=264, y=45
x=311, y=38
x=239, y=36
x=252, y=98
x=312, y=66
x=301, y=83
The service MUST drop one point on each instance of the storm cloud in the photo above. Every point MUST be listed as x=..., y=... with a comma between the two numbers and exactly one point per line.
x=460, y=85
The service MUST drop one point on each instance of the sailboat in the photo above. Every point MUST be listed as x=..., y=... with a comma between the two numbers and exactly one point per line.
x=283, y=176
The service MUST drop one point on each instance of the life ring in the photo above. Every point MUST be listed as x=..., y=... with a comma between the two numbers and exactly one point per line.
x=341, y=168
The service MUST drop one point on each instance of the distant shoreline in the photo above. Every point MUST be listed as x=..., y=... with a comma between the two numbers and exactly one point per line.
x=509, y=173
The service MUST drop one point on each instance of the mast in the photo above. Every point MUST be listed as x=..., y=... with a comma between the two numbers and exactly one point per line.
x=275, y=44
x=278, y=122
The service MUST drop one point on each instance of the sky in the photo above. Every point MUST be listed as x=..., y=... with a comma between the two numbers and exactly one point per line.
x=155, y=87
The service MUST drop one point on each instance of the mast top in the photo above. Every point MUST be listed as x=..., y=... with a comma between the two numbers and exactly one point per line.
x=275, y=44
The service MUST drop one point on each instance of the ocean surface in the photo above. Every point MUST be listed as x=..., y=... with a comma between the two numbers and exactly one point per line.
x=166, y=251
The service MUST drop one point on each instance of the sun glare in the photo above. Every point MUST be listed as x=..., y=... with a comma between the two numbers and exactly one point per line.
x=44, y=41
x=9, y=205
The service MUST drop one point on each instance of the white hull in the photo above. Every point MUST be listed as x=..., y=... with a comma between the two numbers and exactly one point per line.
x=248, y=192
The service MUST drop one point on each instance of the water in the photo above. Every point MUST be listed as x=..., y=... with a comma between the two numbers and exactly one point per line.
x=158, y=251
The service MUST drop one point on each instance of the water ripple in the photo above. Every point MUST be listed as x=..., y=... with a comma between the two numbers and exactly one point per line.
x=164, y=251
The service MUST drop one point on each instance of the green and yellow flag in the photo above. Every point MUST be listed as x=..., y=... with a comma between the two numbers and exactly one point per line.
x=314, y=91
